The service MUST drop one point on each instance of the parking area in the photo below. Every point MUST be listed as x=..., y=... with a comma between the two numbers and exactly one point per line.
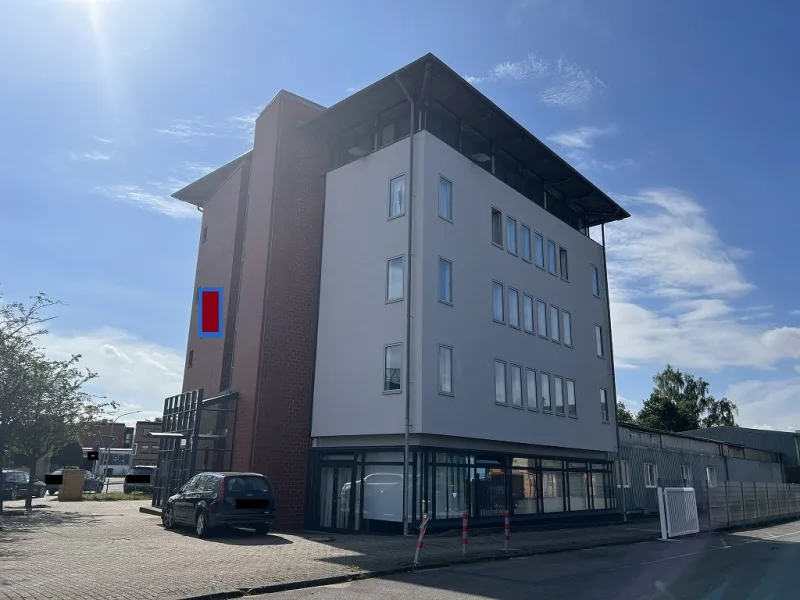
x=111, y=550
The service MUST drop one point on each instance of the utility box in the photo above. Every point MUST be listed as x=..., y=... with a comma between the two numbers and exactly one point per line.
x=71, y=488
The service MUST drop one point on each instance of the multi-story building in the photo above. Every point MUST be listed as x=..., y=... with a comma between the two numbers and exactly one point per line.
x=409, y=273
x=145, y=446
x=105, y=433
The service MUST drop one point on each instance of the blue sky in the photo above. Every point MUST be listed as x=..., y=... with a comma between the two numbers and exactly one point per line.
x=685, y=112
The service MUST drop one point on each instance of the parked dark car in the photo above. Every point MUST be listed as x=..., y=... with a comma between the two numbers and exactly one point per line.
x=129, y=486
x=213, y=501
x=91, y=483
x=15, y=485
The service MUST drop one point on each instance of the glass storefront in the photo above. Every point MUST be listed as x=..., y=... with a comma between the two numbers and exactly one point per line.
x=362, y=490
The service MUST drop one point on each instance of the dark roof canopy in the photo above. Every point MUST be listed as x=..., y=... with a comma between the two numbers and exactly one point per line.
x=201, y=190
x=483, y=116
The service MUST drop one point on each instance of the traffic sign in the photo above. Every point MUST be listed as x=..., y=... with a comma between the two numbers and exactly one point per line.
x=96, y=446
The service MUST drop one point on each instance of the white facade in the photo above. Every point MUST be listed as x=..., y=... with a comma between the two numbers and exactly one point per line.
x=357, y=321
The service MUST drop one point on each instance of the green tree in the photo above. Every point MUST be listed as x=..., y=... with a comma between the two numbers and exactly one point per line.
x=681, y=402
x=69, y=455
x=623, y=414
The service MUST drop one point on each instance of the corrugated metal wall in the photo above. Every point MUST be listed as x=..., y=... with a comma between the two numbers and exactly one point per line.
x=781, y=442
x=754, y=471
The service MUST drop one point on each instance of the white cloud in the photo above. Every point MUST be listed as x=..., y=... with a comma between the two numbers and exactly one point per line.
x=90, y=156
x=576, y=145
x=136, y=374
x=103, y=140
x=234, y=127
x=155, y=199
x=530, y=67
x=767, y=404
x=795, y=313
x=581, y=138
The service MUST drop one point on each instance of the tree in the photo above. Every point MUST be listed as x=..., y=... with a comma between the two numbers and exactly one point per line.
x=69, y=455
x=623, y=414
x=681, y=402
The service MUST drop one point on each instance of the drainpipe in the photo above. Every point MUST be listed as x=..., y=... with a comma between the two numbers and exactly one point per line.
x=406, y=451
x=613, y=372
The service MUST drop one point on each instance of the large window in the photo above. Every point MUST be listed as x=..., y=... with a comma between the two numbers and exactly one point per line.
x=604, y=405
x=538, y=249
x=541, y=311
x=711, y=476
x=527, y=312
x=578, y=491
x=552, y=264
x=553, y=491
x=397, y=197
x=497, y=227
x=562, y=258
x=566, y=325
x=394, y=279
x=525, y=242
x=572, y=407
x=598, y=338
x=650, y=475
x=595, y=281
x=530, y=390
x=445, y=281
x=513, y=307
x=544, y=385
x=393, y=362
x=624, y=474
x=555, y=329
x=498, y=310
x=686, y=476
x=516, y=386
x=446, y=370
x=511, y=235
x=558, y=393
x=445, y=199
x=500, y=382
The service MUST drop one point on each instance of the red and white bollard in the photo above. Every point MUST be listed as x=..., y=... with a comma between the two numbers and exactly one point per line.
x=507, y=531
x=464, y=529
x=423, y=526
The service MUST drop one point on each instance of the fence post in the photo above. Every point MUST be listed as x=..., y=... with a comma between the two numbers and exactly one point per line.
x=755, y=493
x=727, y=507
x=744, y=510
x=507, y=531
x=422, y=527
x=464, y=526
x=769, y=510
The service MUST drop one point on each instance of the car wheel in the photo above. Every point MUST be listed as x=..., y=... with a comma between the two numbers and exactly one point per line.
x=168, y=517
x=262, y=529
x=14, y=492
x=200, y=525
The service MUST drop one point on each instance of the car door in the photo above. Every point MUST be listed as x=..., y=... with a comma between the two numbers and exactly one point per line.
x=193, y=497
x=180, y=505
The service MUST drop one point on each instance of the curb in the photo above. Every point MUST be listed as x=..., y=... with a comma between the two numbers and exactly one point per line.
x=408, y=568
x=150, y=510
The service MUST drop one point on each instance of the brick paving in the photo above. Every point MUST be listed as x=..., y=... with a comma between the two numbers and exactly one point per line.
x=110, y=550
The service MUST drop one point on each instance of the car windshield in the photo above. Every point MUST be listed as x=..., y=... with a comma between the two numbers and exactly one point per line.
x=246, y=484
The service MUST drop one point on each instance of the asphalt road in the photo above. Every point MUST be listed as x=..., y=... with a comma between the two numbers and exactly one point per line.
x=753, y=565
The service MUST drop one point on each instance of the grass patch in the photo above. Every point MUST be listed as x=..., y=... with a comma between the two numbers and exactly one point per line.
x=111, y=496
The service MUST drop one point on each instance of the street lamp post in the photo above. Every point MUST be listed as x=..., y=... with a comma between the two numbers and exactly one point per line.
x=113, y=439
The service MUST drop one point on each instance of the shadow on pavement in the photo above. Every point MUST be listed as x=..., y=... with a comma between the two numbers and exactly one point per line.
x=235, y=537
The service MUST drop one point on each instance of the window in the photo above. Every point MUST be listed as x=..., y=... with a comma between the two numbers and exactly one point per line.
x=598, y=338
x=446, y=370
x=604, y=405
x=555, y=329
x=530, y=389
x=497, y=227
x=686, y=476
x=394, y=279
x=513, y=307
x=189, y=359
x=527, y=312
x=711, y=476
x=397, y=197
x=538, y=249
x=541, y=312
x=205, y=234
x=445, y=199
x=445, y=281
x=572, y=407
x=624, y=474
x=145, y=449
x=595, y=281
x=525, y=241
x=552, y=265
x=566, y=325
x=511, y=235
x=497, y=302
x=562, y=259
x=500, y=382
x=516, y=386
x=544, y=385
x=392, y=362
x=650, y=475
x=558, y=393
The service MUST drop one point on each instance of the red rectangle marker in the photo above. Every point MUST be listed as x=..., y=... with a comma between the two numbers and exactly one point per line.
x=210, y=317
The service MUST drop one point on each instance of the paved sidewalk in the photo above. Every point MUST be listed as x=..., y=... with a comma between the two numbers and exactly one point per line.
x=110, y=550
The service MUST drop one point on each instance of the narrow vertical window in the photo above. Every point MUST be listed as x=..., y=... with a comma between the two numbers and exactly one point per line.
x=394, y=279
x=445, y=199
x=711, y=476
x=205, y=234
x=530, y=389
x=558, y=394
x=516, y=386
x=555, y=329
x=497, y=302
x=552, y=265
x=397, y=197
x=544, y=385
x=598, y=338
x=513, y=307
x=572, y=407
x=604, y=405
x=511, y=235
x=445, y=281
x=562, y=259
x=541, y=317
x=497, y=227
x=525, y=242
x=392, y=368
x=566, y=325
x=595, y=281
x=190, y=359
x=527, y=311
x=500, y=382
x=445, y=370
x=538, y=249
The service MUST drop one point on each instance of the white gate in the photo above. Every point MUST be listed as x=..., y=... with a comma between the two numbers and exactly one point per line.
x=677, y=508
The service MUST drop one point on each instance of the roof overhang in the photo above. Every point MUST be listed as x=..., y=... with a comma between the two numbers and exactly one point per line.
x=198, y=192
x=449, y=89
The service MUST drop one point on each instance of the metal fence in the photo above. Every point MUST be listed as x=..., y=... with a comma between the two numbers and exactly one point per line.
x=736, y=503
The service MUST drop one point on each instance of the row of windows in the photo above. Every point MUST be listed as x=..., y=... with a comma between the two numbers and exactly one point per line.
x=393, y=369
x=554, y=324
x=651, y=475
x=397, y=198
x=395, y=280
x=555, y=261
